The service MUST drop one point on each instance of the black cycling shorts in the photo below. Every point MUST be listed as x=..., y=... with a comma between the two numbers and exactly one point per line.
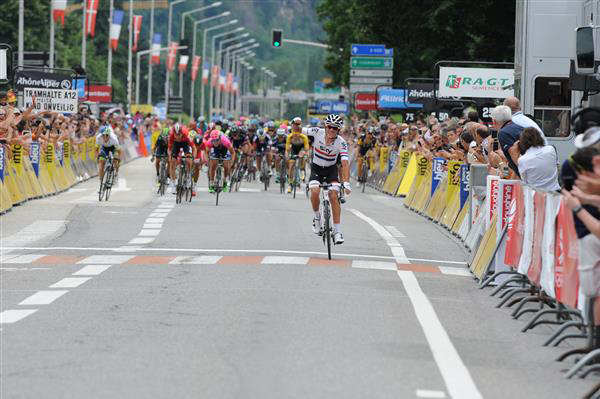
x=319, y=174
x=178, y=146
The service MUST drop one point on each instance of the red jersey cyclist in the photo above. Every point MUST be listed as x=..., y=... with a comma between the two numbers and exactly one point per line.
x=179, y=141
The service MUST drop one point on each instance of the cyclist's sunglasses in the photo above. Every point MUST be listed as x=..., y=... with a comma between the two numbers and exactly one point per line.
x=333, y=127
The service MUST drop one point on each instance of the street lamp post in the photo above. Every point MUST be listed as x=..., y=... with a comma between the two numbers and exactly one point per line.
x=169, y=28
x=229, y=57
x=221, y=43
x=186, y=13
x=226, y=66
x=214, y=96
x=138, y=55
x=202, y=60
x=233, y=21
x=237, y=71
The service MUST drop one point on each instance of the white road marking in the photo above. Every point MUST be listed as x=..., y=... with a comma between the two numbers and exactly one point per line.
x=23, y=269
x=121, y=212
x=394, y=245
x=454, y=372
x=152, y=226
x=426, y=393
x=128, y=248
x=91, y=270
x=105, y=259
x=395, y=232
x=43, y=297
x=149, y=232
x=200, y=260
x=285, y=260
x=158, y=215
x=455, y=271
x=237, y=250
x=121, y=185
x=369, y=264
x=21, y=258
x=70, y=282
x=141, y=240
x=33, y=232
x=166, y=205
x=76, y=190
x=155, y=220
x=14, y=315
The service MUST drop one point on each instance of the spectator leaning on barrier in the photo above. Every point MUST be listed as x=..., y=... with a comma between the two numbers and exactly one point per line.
x=537, y=162
x=508, y=132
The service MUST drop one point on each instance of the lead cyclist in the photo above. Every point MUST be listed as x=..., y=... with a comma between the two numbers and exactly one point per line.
x=328, y=144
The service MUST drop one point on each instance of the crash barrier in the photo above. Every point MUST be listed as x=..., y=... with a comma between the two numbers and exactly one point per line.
x=520, y=240
x=38, y=170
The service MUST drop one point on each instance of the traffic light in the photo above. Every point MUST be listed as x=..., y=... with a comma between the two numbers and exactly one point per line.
x=277, y=38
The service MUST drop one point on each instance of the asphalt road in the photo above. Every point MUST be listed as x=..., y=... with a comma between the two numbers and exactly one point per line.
x=141, y=298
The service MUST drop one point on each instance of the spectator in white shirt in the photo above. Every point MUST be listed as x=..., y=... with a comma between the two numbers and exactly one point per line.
x=519, y=118
x=537, y=162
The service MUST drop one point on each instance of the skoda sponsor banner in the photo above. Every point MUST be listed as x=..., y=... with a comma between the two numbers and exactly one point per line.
x=63, y=101
x=393, y=99
x=365, y=101
x=42, y=80
x=476, y=82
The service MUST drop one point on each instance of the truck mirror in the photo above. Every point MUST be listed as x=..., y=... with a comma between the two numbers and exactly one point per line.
x=584, y=50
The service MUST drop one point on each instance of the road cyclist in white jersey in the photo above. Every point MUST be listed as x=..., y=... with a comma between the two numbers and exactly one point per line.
x=327, y=146
x=107, y=142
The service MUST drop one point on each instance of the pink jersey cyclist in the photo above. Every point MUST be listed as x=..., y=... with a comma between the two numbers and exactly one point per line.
x=219, y=145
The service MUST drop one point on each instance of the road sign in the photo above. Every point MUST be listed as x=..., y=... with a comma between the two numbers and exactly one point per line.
x=371, y=80
x=175, y=105
x=366, y=88
x=55, y=100
x=372, y=62
x=372, y=72
x=377, y=50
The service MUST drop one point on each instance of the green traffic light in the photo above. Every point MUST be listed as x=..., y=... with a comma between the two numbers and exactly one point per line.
x=276, y=44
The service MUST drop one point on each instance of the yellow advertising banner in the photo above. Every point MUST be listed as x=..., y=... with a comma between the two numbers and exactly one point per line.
x=143, y=108
x=17, y=151
x=383, y=158
x=67, y=150
x=453, y=179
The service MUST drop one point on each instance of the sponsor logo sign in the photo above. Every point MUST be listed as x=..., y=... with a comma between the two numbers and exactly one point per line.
x=476, y=82
x=34, y=156
x=2, y=162
x=101, y=94
x=464, y=184
x=437, y=173
x=42, y=80
x=393, y=99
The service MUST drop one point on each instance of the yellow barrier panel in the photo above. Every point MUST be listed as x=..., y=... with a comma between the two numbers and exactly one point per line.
x=33, y=180
x=451, y=211
x=423, y=195
x=466, y=209
x=393, y=179
x=45, y=175
x=383, y=158
x=68, y=164
x=17, y=153
x=5, y=200
x=453, y=180
x=485, y=251
x=416, y=166
x=19, y=172
x=438, y=201
x=17, y=195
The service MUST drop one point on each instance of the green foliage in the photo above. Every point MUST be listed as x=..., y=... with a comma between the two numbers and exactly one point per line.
x=420, y=32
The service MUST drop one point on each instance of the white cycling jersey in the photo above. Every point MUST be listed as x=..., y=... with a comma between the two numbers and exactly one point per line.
x=112, y=141
x=326, y=155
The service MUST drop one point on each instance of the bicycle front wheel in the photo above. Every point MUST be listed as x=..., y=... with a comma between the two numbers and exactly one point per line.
x=109, y=177
x=101, y=190
x=327, y=227
x=218, y=183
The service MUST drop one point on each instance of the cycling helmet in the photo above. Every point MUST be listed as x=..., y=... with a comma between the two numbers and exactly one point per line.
x=244, y=129
x=253, y=124
x=192, y=134
x=106, y=130
x=165, y=132
x=334, y=120
x=270, y=125
x=233, y=129
x=197, y=140
x=297, y=120
x=260, y=133
x=281, y=132
x=177, y=128
x=215, y=135
x=225, y=125
x=201, y=119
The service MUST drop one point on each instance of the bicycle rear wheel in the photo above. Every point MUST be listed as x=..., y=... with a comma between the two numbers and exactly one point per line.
x=179, y=190
x=364, y=174
x=327, y=227
x=295, y=179
x=218, y=184
x=282, y=177
x=101, y=190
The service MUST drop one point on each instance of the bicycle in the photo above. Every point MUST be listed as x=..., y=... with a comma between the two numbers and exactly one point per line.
x=107, y=180
x=219, y=178
x=162, y=174
x=295, y=177
x=184, y=181
x=282, y=174
x=327, y=229
x=238, y=174
x=364, y=173
x=264, y=172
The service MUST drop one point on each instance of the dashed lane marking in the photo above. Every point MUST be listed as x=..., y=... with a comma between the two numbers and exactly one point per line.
x=284, y=260
x=141, y=240
x=369, y=264
x=13, y=315
x=70, y=282
x=395, y=232
x=91, y=270
x=426, y=393
x=21, y=259
x=43, y=297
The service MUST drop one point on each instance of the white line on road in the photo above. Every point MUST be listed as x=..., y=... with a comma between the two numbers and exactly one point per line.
x=458, y=380
x=369, y=264
x=455, y=271
x=152, y=226
x=21, y=258
x=426, y=393
x=197, y=250
x=91, y=270
x=284, y=260
x=395, y=232
x=43, y=297
x=155, y=220
x=33, y=232
x=158, y=215
x=149, y=232
x=394, y=245
x=70, y=282
x=14, y=315
x=139, y=240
